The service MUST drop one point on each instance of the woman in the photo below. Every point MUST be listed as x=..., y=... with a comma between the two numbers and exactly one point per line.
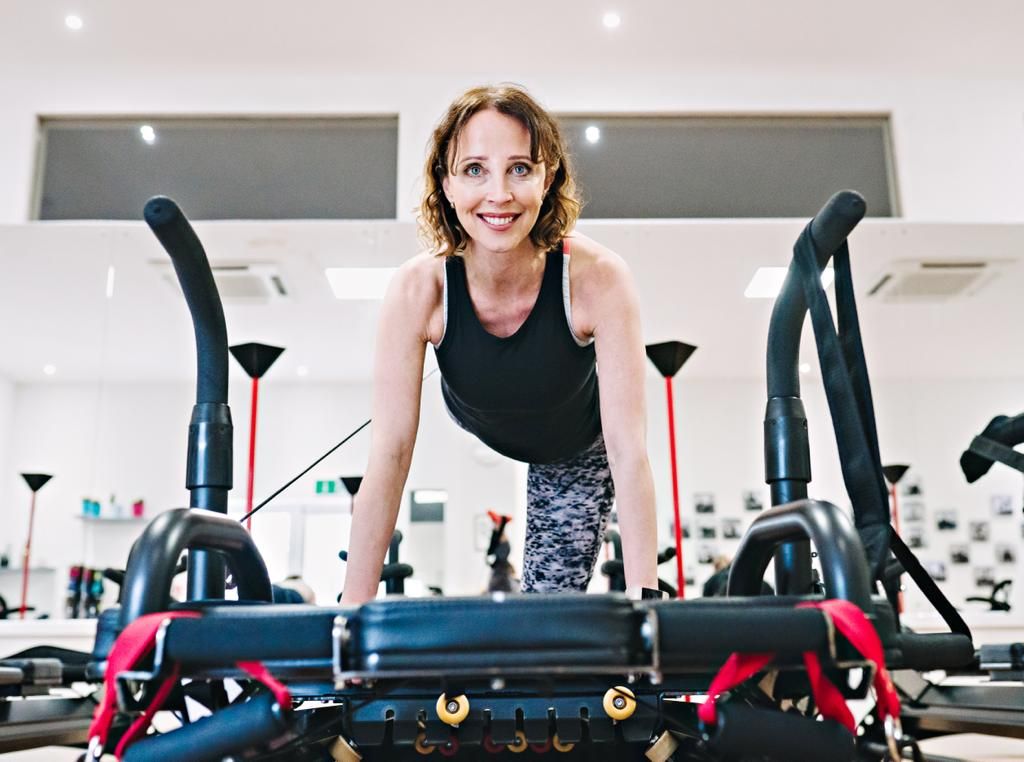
x=517, y=349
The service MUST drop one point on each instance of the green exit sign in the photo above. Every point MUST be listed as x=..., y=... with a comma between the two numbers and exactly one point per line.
x=326, y=486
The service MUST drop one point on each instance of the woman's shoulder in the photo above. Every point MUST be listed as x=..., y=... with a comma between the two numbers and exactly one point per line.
x=422, y=274
x=591, y=262
x=419, y=282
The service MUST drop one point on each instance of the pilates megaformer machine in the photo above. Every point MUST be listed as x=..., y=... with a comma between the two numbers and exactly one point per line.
x=583, y=677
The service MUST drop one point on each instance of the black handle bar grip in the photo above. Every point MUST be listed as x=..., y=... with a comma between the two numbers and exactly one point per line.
x=836, y=220
x=230, y=731
x=1002, y=429
x=843, y=562
x=192, y=267
x=744, y=732
x=395, y=571
x=666, y=555
x=152, y=563
x=828, y=229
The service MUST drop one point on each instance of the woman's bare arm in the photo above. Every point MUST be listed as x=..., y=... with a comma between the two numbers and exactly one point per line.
x=402, y=334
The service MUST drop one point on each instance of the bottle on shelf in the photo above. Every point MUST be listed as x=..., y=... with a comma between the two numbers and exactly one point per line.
x=73, y=592
x=96, y=592
x=89, y=603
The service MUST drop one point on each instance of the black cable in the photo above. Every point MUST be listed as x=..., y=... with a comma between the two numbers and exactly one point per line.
x=307, y=470
x=317, y=461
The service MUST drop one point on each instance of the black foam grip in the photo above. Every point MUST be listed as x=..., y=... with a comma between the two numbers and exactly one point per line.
x=937, y=650
x=229, y=731
x=178, y=238
x=743, y=732
x=843, y=562
x=829, y=229
x=154, y=557
x=1002, y=429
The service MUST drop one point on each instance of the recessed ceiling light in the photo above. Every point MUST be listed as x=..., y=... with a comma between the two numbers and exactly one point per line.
x=148, y=133
x=73, y=22
x=592, y=133
x=767, y=282
x=302, y=370
x=49, y=369
x=805, y=367
x=359, y=282
x=110, y=282
x=611, y=20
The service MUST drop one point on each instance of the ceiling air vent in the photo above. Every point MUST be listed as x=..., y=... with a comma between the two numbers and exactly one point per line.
x=924, y=281
x=253, y=283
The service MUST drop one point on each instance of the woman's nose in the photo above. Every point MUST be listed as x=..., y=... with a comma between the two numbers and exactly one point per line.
x=498, y=190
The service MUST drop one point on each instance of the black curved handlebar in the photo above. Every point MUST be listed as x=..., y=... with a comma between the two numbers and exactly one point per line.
x=843, y=562
x=151, y=565
x=208, y=472
x=829, y=228
x=192, y=267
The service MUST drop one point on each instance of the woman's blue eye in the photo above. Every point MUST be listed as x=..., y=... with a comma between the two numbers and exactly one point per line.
x=521, y=169
x=474, y=170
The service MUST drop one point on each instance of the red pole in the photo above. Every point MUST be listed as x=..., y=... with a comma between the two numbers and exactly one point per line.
x=680, y=579
x=24, y=560
x=252, y=450
x=896, y=526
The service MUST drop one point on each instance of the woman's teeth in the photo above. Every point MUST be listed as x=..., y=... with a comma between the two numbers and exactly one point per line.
x=498, y=221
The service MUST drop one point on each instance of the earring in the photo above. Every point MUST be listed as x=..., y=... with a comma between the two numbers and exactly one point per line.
x=452, y=203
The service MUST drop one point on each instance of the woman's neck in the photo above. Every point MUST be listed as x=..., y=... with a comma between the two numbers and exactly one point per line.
x=513, y=270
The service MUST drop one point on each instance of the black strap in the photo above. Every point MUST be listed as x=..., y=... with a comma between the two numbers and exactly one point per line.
x=848, y=393
x=927, y=586
x=1000, y=453
x=848, y=390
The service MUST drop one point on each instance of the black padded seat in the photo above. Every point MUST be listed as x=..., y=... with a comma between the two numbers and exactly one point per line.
x=224, y=635
x=531, y=631
x=935, y=650
x=46, y=672
x=699, y=635
x=11, y=676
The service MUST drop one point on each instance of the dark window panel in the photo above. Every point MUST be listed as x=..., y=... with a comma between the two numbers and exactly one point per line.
x=665, y=167
x=261, y=169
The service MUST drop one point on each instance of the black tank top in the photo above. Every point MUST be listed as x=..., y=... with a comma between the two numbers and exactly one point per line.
x=531, y=396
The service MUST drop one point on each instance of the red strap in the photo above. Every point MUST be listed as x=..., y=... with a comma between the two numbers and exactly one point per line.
x=261, y=673
x=736, y=669
x=855, y=627
x=827, y=698
x=130, y=648
x=141, y=724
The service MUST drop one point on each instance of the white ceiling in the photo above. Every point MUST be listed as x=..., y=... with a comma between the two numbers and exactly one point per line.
x=690, y=275
x=531, y=37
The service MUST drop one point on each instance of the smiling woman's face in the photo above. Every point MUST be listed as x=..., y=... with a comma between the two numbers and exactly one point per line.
x=497, y=189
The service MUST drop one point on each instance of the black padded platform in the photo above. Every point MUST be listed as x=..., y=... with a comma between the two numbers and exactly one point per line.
x=544, y=632
x=519, y=634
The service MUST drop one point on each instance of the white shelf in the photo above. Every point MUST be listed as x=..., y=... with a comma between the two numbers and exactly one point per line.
x=112, y=519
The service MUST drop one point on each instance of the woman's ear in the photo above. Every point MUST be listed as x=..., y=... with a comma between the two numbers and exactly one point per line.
x=445, y=188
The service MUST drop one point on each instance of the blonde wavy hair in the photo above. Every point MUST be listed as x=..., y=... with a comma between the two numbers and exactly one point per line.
x=438, y=222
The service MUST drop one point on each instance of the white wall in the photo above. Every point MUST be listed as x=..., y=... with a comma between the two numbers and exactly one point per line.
x=130, y=440
x=8, y=543
x=926, y=424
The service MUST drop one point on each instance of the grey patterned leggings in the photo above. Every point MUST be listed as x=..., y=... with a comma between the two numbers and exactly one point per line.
x=567, y=509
